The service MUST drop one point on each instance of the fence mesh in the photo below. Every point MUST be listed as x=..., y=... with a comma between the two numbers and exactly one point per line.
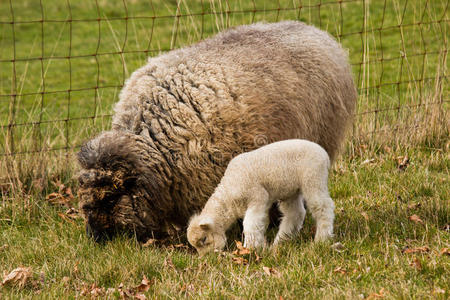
x=62, y=64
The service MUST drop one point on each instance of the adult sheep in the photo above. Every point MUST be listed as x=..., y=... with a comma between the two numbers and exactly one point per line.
x=186, y=113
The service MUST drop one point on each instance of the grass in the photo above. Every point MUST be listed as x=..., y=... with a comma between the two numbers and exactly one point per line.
x=374, y=200
x=398, y=50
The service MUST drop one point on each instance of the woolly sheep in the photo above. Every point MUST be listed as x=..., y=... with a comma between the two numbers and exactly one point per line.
x=186, y=113
x=290, y=172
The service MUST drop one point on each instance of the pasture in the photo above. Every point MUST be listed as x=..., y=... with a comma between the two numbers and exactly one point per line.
x=62, y=64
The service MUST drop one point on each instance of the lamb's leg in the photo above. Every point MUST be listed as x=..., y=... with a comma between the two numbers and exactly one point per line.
x=293, y=216
x=321, y=207
x=256, y=218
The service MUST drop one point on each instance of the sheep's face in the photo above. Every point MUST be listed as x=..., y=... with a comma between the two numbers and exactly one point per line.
x=106, y=206
x=115, y=190
x=205, y=236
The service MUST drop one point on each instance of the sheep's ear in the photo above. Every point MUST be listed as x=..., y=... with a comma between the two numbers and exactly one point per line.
x=205, y=226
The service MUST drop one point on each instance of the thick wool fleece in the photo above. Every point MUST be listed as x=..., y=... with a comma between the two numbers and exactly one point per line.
x=291, y=172
x=186, y=113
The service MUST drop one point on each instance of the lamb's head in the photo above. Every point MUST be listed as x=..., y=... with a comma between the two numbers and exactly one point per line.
x=205, y=235
x=117, y=194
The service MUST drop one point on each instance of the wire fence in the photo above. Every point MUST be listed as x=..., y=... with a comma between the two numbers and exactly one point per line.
x=62, y=64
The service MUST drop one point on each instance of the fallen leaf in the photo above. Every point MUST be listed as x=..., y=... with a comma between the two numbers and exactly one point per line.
x=402, y=162
x=365, y=215
x=445, y=251
x=4, y=247
x=340, y=270
x=271, y=271
x=66, y=218
x=423, y=249
x=416, y=263
x=416, y=219
x=150, y=242
x=241, y=250
x=124, y=293
x=338, y=247
x=239, y=260
x=73, y=213
x=140, y=297
x=380, y=294
x=144, y=286
x=58, y=199
x=18, y=276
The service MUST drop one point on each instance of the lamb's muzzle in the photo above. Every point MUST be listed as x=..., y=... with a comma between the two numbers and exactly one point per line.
x=291, y=172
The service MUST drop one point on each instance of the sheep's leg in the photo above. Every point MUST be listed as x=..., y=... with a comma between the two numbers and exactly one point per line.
x=321, y=207
x=294, y=212
x=256, y=218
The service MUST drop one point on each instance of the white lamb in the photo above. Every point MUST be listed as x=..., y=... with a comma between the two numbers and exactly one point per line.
x=290, y=172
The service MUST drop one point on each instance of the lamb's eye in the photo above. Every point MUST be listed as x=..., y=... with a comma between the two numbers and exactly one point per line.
x=203, y=241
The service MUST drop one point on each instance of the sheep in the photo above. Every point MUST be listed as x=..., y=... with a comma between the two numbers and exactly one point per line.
x=186, y=113
x=289, y=172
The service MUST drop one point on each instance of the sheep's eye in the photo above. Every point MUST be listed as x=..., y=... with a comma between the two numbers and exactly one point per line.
x=203, y=241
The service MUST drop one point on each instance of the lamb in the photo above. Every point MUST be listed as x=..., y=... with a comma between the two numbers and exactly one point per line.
x=291, y=172
x=185, y=114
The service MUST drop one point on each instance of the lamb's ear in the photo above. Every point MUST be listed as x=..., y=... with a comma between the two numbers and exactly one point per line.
x=206, y=223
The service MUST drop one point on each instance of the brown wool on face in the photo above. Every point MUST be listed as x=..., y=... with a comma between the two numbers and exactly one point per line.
x=186, y=113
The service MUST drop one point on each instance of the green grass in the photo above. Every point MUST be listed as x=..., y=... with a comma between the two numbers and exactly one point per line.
x=57, y=106
x=372, y=258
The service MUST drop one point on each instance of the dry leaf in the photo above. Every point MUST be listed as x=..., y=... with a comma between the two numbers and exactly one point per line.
x=271, y=272
x=66, y=218
x=445, y=251
x=124, y=293
x=4, y=247
x=59, y=199
x=365, y=215
x=340, y=270
x=423, y=249
x=416, y=263
x=402, y=162
x=241, y=250
x=18, y=276
x=416, y=219
x=65, y=280
x=239, y=260
x=144, y=286
x=380, y=294
x=73, y=213
x=150, y=242
x=140, y=297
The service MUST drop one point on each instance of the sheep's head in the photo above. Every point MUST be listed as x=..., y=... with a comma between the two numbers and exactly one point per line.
x=116, y=194
x=205, y=235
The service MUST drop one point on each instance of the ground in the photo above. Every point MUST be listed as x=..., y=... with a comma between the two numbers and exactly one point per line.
x=390, y=184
